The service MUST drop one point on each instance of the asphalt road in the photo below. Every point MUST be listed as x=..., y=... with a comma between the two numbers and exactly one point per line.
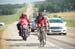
x=11, y=40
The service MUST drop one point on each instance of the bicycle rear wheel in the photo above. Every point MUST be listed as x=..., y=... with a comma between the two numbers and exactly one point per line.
x=42, y=43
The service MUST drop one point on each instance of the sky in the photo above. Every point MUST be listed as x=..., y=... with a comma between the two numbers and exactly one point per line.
x=18, y=1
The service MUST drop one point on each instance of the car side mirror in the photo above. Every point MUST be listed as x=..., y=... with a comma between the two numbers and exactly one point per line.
x=65, y=22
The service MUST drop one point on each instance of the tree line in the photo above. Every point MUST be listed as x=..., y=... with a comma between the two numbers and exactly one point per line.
x=56, y=5
x=9, y=9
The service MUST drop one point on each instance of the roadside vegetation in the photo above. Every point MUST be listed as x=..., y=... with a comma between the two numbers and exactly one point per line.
x=8, y=18
x=54, y=6
x=66, y=16
x=64, y=8
x=9, y=9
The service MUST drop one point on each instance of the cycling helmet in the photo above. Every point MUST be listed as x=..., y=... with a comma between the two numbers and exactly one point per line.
x=41, y=14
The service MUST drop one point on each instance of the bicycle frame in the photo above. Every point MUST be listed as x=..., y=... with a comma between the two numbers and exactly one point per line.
x=42, y=37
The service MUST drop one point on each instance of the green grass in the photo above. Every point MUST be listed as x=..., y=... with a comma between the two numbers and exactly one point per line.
x=8, y=19
x=70, y=23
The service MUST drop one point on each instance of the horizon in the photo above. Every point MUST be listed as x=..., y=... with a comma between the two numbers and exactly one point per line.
x=18, y=1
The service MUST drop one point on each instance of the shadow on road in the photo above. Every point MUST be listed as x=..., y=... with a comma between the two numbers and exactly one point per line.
x=24, y=44
x=13, y=39
x=34, y=45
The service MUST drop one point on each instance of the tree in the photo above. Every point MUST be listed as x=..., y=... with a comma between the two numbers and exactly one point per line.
x=56, y=5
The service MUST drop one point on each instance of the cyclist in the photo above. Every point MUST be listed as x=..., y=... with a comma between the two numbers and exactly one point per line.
x=23, y=20
x=41, y=25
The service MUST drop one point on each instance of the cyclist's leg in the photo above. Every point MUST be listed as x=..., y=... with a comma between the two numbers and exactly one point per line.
x=42, y=40
x=38, y=33
x=20, y=30
x=22, y=34
x=29, y=30
x=44, y=37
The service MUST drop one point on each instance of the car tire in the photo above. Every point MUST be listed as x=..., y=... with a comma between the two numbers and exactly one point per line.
x=60, y=33
x=48, y=34
x=64, y=33
x=32, y=30
x=0, y=24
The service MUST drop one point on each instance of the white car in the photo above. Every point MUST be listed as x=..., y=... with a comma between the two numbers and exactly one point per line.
x=57, y=26
x=2, y=23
